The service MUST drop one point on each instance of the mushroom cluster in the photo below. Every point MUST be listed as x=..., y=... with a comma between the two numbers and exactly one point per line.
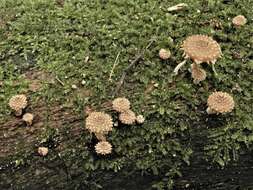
x=100, y=124
x=126, y=115
x=200, y=49
x=18, y=103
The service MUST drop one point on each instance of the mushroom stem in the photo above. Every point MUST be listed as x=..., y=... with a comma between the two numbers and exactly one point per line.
x=18, y=112
x=214, y=70
x=178, y=67
x=210, y=111
x=100, y=136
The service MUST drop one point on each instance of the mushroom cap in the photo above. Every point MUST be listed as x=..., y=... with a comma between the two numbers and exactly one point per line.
x=18, y=102
x=201, y=48
x=239, y=20
x=99, y=122
x=103, y=148
x=164, y=54
x=43, y=151
x=221, y=102
x=121, y=104
x=127, y=117
x=140, y=119
x=28, y=117
x=198, y=74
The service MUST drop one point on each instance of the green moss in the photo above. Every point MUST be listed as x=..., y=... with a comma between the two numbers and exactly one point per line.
x=57, y=40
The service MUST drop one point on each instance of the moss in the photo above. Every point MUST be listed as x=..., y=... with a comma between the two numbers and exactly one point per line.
x=57, y=40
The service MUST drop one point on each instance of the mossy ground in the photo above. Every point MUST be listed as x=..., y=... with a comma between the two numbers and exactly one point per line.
x=63, y=46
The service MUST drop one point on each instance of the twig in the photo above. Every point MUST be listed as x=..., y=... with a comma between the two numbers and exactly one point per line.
x=113, y=67
x=123, y=76
x=62, y=83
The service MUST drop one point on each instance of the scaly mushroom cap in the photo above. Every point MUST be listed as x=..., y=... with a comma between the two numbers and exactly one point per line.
x=99, y=122
x=127, y=117
x=18, y=102
x=164, y=54
x=121, y=104
x=220, y=102
x=239, y=20
x=198, y=74
x=201, y=48
x=103, y=148
x=28, y=118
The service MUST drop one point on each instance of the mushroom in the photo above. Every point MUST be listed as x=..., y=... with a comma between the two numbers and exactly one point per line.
x=200, y=48
x=42, y=151
x=127, y=117
x=121, y=104
x=140, y=119
x=18, y=103
x=28, y=118
x=164, y=54
x=220, y=102
x=198, y=74
x=99, y=123
x=103, y=148
x=239, y=20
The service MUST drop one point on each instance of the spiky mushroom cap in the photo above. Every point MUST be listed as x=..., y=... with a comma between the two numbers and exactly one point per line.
x=28, y=118
x=99, y=122
x=164, y=54
x=103, y=148
x=198, y=74
x=121, y=104
x=220, y=102
x=201, y=48
x=239, y=20
x=127, y=117
x=17, y=103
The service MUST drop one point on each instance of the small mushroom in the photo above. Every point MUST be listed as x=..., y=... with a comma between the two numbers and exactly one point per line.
x=103, y=148
x=239, y=20
x=28, y=118
x=127, y=117
x=18, y=103
x=220, y=102
x=42, y=151
x=164, y=54
x=121, y=104
x=99, y=122
x=198, y=74
x=140, y=119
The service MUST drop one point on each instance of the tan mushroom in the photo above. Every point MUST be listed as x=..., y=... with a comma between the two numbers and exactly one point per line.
x=140, y=119
x=121, y=104
x=127, y=117
x=103, y=148
x=42, y=151
x=220, y=102
x=239, y=20
x=198, y=74
x=99, y=122
x=18, y=103
x=201, y=48
x=164, y=54
x=28, y=118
